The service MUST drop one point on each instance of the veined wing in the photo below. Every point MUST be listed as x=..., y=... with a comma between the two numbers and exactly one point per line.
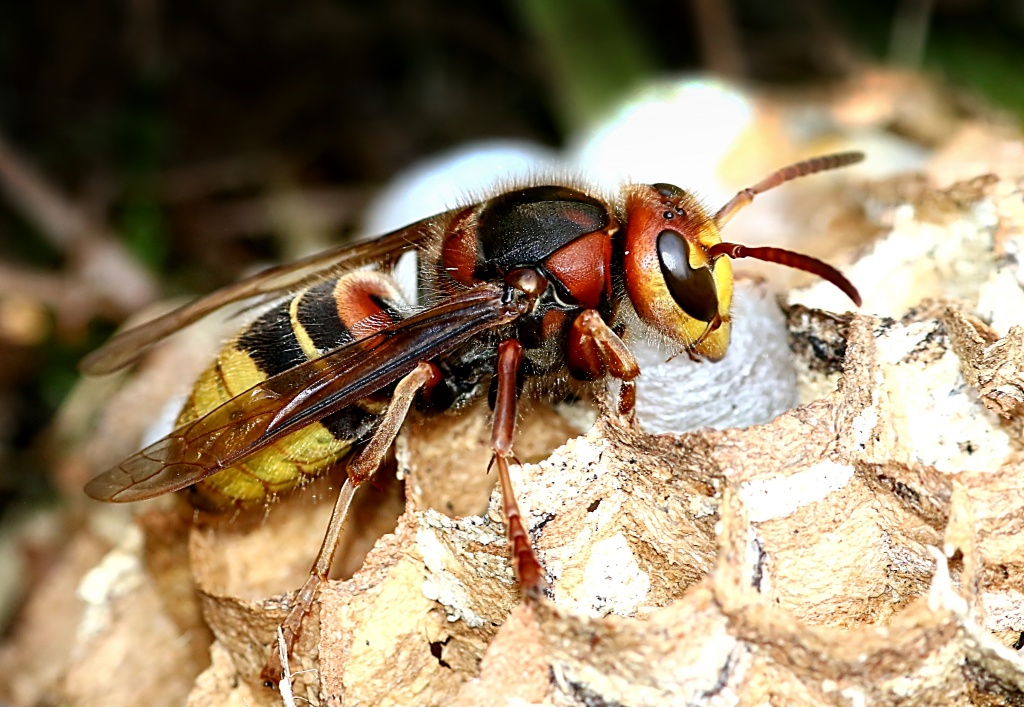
x=126, y=347
x=309, y=392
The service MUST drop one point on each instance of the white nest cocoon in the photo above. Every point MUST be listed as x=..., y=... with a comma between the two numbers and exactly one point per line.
x=752, y=385
x=458, y=177
x=674, y=131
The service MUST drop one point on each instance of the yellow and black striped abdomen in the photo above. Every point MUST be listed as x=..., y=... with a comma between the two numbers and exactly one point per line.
x=323, y=317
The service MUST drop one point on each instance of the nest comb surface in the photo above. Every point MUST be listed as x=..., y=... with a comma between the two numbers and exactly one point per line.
x=862, y=548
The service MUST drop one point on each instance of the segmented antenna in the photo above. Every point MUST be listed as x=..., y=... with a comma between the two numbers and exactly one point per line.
x=790, y=259
x=781, y=255
x=781, y=176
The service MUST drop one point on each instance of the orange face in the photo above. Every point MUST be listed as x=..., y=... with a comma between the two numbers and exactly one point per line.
x=672, y=282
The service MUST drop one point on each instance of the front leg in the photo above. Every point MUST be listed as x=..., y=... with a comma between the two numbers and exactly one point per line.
x=595, y=351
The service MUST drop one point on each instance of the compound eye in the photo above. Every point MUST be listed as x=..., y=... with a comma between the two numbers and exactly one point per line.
x=668, y=190
x=693, y=289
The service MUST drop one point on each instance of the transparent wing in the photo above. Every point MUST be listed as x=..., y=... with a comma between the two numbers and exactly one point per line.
x=126, y=347
x=291, y=400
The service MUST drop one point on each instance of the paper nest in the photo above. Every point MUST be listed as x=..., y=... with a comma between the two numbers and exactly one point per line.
x=865, y=547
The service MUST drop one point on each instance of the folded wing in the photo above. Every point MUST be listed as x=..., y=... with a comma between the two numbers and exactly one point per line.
x=309, y=392
x=126, y=347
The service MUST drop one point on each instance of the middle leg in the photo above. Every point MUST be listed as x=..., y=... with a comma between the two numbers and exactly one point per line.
x=524, y=561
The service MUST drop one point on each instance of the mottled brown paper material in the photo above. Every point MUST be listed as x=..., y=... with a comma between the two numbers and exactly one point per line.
x=864, y=548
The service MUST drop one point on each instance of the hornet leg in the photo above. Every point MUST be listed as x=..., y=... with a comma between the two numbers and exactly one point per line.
x=595, y=350
x=524, y=561
x=360, y=468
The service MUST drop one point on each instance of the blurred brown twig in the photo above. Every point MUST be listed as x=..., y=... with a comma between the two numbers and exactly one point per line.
x=99, y=276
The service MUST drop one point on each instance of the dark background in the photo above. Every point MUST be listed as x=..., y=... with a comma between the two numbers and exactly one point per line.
x=167, y=126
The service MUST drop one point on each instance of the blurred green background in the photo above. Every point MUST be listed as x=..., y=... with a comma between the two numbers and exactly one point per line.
x=174, y=128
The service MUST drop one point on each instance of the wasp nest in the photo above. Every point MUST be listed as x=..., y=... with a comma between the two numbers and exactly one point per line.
x=864, y=547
